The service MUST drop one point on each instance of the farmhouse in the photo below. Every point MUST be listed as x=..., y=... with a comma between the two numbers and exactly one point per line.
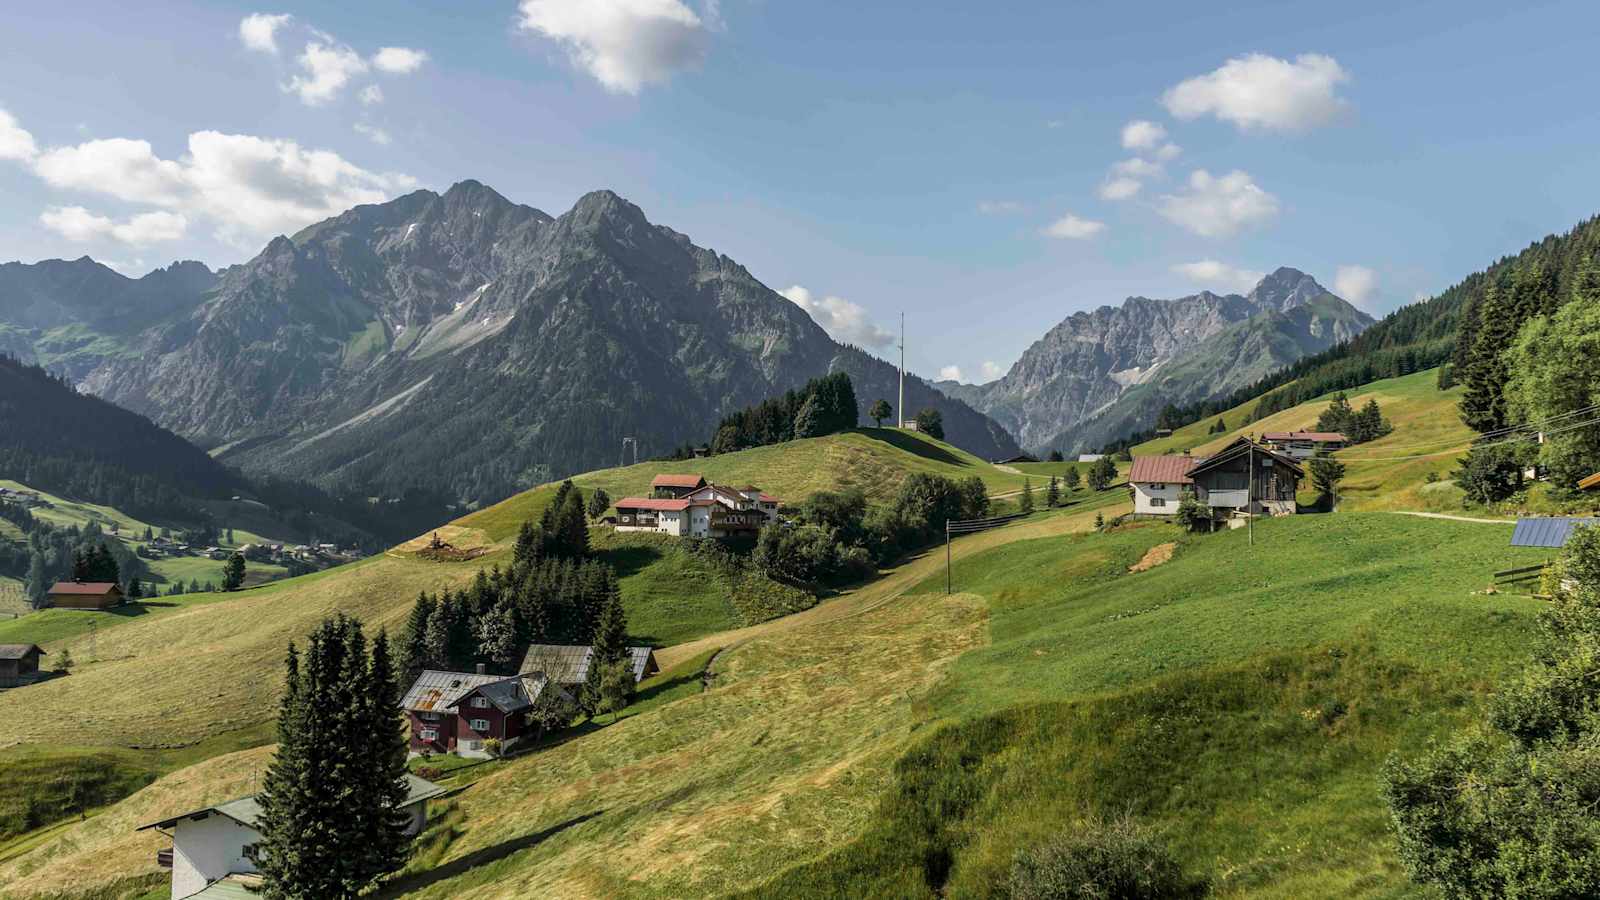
x=1244, y=477
x=209, y=845
x=85, y=595
x=457, y=712
x=709, y=510
x=676, y=485
x=19, y=664
x=569, y=665
x=1304, y=444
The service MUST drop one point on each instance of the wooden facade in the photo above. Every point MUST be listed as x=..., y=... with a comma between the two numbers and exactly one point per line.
x=19, y=664
x=86, y=595
x=1247, y=478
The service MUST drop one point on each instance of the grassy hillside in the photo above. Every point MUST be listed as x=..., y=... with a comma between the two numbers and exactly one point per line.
x=1389, y=473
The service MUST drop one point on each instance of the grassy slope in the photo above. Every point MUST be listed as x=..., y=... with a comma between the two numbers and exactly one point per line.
x=1426, y=425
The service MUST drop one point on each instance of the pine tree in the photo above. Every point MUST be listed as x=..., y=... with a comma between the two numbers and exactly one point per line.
x=80, y=566
x=437, y=636
x=1025, y=502
x=233, y=573
x=574, y=527
x=1052, y=494
x=414, y=640
x=529, y=548
x=1073, y=479
x=808, y=422
x=38, y=579
x=135, y=589
x=599, y=502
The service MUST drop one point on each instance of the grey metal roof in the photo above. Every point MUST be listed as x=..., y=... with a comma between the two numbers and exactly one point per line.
x=434, y=689
x=1550, y=531
x=569, y=664
x=246, y=811
x=514, y=693
x=17, y=651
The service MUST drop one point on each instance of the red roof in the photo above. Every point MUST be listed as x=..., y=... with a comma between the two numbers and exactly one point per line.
x=677, y=481
x=1169, y=469
x=652, y=503
x=90, y=588
x=1321, y=437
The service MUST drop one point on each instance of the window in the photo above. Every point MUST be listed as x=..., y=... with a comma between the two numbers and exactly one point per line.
x=428, y=716
x=1158, y=486
x=428, y=734
x=1158, y=501
x=480, y=702
x=480, y=724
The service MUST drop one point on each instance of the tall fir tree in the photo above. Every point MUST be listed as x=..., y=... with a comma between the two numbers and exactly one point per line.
x=414, y=639
x=1052, y=493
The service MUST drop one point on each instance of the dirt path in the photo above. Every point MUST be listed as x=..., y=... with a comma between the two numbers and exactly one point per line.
x=890, y=587
x=1448, y=517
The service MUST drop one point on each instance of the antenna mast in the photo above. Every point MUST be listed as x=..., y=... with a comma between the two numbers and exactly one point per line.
x=900, y=410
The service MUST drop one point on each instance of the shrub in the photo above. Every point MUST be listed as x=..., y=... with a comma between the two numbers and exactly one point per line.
x=492, y=746
x=1491, y=473
x=1102, y=861
x=1193, y=516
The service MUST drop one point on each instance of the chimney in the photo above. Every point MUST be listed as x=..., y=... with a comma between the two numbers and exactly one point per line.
x=482, y=669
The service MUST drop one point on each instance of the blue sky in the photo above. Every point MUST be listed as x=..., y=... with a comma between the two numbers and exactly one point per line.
x=966, y=163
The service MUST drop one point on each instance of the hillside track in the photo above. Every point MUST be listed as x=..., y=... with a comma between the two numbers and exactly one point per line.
x=1449, y=518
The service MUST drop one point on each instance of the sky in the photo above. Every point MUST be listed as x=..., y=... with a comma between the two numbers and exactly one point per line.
x=985, y=169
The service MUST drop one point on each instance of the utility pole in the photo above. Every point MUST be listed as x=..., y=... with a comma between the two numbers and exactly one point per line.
x=1250, y=491
x=900, y=410
x=947, y=557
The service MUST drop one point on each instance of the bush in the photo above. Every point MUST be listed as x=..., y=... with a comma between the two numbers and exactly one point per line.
x=492, y=746
x=1193, y=516
x=1490, y=474
x=1102, y=861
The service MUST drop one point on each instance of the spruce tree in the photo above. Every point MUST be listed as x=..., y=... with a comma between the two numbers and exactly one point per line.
x=1025, y=502
x=599, y=502
x=809, y=421
x=414, y=640
x=38, y=579
x=233, y=573
x=574, y=526
x=1052, y=494
x=1073, y=479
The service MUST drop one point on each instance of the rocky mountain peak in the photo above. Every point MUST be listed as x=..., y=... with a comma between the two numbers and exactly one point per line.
x=1284, y=289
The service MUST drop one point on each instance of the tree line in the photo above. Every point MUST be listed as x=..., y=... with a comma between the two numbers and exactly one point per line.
x=826, y=405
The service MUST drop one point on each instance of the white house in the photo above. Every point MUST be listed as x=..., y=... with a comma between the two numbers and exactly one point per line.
x=1158, y=483
x=707, y=511
x=209, y=845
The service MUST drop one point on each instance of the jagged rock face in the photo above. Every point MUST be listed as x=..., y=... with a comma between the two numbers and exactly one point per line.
x=469, y=346
x=1081, y=368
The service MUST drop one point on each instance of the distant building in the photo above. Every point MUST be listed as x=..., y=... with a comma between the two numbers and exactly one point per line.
x=710, y=510
x=1304, y=444
x=1222, y=481
x=1090, y=457
x=459, y=712
x=677, y=485
x=1158, y=483
x=1019, y=458
x=19, y=664
x=569, y=665
x=208, y=855
x=85, y=595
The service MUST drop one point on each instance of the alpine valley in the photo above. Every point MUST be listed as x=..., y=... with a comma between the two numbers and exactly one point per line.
x=456, y=344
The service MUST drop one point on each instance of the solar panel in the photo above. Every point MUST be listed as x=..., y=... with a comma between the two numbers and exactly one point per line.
x=1551, y=531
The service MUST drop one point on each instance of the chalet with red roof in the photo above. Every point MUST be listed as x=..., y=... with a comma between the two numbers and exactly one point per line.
x=676, y=486
x=1241, y=478
x=86, y=595
x=460, y=712
x=704, y=510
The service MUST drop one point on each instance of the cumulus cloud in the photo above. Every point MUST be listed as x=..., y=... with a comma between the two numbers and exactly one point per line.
x=325, y=70
x=843, y=321
x=1211, y=273
x=990, y=370
x=624, y=44
x=373, y=133
x=1260, y=92
x=1136, y=168
x=119, y=167
x=1071, y=227
x=259, y=31
x=1168, y=152
x=1357, y=284
x=950, y=373
x=1141, y=134
x=15, y=141
x=1000, y=207
x=371, y=95
x=398, y=60
x=1218, y=205
x=80, y=225
x=1120, y=188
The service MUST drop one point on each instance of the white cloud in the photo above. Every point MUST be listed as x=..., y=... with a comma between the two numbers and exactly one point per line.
x=327, y=69
x=373, y=133
x=1000, y=207
x=78, y=224
x=950, y=373
x=1218, y=206
x=990, y=370
x=1120, y=188
x=119, y=167
x=398, y=60
x=624, y=44
x=1263, y=92
x=844, y=321
x=1136, y=168
x=1211, y=273
x=371, y=95
x=1168, y=152
x=1141, y=134
x=15, y=141
x=1072, y=227
x=259, y=31
x=1357, y=284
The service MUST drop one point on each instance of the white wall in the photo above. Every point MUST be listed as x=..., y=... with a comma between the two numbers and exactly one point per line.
x=206, y=850
x=1144, y=492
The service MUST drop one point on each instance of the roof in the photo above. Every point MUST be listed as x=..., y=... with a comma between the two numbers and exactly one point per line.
x=1590, y=483
x=18, y=651
x=652, y=503
x=514, y=693
x=1321, y=437
x=1550, y=531
x=678, y=481
x=90, y=588
x=569, y=664
x=1228, y=452
x=1163, y=469
x=435, y=689
x=246, y=811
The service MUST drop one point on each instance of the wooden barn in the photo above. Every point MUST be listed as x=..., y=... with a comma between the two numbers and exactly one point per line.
x=86, y=595
x=19, y=664
x=1245, y=477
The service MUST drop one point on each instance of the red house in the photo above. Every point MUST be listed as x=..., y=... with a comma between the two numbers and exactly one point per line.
x=459, y=712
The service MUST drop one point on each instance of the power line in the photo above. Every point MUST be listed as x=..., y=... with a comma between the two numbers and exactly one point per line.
x=1473, y=445
x=1531, y=427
